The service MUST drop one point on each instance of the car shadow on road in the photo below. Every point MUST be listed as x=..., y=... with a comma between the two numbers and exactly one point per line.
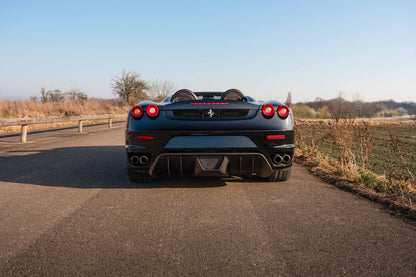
x=88, y=167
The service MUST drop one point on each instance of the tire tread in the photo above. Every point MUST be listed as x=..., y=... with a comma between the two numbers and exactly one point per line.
x=280, y=175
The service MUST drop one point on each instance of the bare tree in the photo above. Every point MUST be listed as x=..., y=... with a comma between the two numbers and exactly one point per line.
x=341, y=109
x=129, y=87
x=357, y=104
x=288, y=101
x=75, y=94
x=55, y=95
x=43, y=93
x=71, y=95
x=159, y=90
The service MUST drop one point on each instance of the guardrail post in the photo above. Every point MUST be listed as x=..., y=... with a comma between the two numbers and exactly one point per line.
x=110, y=122
x=80, y=126
x=23, y=137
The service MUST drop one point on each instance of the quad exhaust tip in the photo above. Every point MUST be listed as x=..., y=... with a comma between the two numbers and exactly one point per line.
x=278, y=159
x=142, y=160
x=286, y=158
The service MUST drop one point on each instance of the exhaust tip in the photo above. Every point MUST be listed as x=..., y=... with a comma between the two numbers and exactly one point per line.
x=287, y=158
x=134, y=160
x=144, y=160
x=277, y=159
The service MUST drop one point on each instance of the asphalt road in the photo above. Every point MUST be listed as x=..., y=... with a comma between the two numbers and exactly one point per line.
x=68, y=208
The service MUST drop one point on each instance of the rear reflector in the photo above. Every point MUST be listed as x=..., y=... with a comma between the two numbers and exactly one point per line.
x=212, y=103
x=276, y=137
x=145, y=137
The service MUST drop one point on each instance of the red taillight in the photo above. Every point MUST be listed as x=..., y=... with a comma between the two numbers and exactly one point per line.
x=283, y=111
x=152, y=110
x=267, y=110
x=137, y=112
x=276, y=137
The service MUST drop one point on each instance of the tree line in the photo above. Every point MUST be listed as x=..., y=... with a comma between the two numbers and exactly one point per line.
x=131, y=89
x=128, y=87
x=58, y=96
x=344, y=108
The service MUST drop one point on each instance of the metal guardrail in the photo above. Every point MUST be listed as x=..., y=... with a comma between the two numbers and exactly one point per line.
x=24, y=122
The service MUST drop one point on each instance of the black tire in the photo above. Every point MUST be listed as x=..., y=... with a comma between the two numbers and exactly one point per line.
x=280, y=175
x=138, y=177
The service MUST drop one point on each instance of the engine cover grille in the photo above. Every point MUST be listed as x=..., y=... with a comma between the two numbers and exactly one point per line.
x=210, y=114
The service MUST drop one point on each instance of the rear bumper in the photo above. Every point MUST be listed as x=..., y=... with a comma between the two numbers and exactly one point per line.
x=225, y=164
x=184, y=153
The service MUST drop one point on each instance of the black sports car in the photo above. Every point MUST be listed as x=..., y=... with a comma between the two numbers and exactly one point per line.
x=210, y=134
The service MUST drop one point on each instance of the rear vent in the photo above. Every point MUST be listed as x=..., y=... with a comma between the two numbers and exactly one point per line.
x=234, y=113
x=210, y=114
x=187, y=114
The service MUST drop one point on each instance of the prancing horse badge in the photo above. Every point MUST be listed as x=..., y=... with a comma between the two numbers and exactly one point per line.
x=211, y=113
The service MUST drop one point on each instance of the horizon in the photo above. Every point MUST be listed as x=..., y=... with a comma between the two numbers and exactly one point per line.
x=361, y=50
x=259, y=100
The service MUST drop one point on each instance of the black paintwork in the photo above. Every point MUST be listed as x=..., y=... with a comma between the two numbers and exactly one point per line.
x=174, y=148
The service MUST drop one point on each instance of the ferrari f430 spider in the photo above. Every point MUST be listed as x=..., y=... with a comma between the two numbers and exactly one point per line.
x=210, y=134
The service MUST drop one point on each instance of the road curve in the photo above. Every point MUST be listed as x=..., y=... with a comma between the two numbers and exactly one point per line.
x=68, y=208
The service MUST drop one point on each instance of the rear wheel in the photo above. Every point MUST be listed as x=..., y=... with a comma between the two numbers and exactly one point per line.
x=280, y=175
x=138, y=177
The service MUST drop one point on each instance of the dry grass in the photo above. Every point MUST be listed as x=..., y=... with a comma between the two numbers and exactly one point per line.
x=356, y=150
x=19, y=109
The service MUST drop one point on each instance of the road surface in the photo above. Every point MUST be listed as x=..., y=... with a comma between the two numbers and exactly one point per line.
x=68, y=208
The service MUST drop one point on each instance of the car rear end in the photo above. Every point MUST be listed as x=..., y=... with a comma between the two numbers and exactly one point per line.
x=209, y=137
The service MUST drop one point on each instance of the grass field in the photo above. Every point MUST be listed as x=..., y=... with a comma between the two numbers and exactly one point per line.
x=381, y=156
x=392, y=146
x=19, y=109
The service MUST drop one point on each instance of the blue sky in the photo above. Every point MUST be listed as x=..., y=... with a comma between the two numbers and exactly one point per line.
x=364, y=49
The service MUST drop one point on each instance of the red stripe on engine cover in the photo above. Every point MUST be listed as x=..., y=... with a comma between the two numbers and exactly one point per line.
x=218, y=103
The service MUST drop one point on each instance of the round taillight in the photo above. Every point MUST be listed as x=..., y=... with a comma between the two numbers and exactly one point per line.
x=283, y=111
x=267, y=110
x=137, y=112
x=152, y=110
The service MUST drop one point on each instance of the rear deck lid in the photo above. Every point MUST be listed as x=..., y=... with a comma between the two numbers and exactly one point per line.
x=212, y=110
